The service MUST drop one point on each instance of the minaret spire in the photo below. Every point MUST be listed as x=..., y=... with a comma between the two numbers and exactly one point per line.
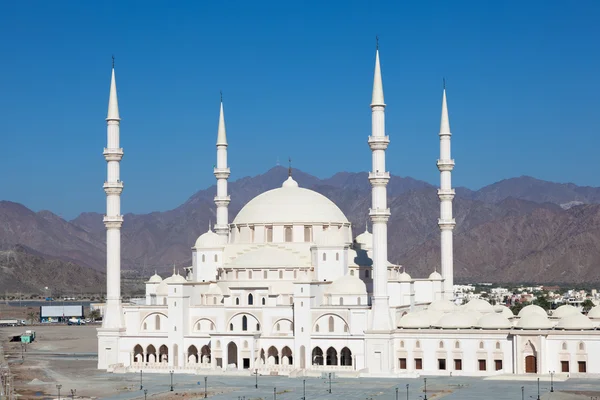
x=446, y=221
x=222, y=174
x=112, y=323
x=379, y=212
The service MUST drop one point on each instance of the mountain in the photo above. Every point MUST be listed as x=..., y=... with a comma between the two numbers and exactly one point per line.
x=519, y=229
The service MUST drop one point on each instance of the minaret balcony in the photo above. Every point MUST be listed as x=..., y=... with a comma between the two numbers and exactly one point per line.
x=222, y=173
x=379, y=178
x=113, y=187
x=379, y=142
x=446, y=224
x=446, y=194
x=113, y=221
x=222, y=201
x=445, y=165
x=379, y=214
x=113, y=154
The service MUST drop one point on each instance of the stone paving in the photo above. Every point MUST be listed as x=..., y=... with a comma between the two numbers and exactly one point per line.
x=449, y=388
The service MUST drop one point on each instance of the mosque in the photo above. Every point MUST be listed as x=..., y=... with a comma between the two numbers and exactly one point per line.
x=286, y=289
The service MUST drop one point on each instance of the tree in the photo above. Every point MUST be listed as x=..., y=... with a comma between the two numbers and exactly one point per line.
x=32, y=316
x=587, y=305
x=94, y=315
x=543, y=302
x=517, y=307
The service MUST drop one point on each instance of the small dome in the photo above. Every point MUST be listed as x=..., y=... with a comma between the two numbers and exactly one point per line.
x=494, y=321
x=458, y=320
x=290, y=183
x=594, y=313
x=575, y=322
x=404, y=277
x=176, y=278
x=442, y=305
x=332, y=237
x=534, y=321
x=155, y=279
x=365, y=240
x=565, y=311
x=531, y=310
x=434, y=316
x=415, y=320
x=479, y=305
x=210, y=240
x=504, y=311
x=214, y=289
x=435, y=276
x=347, y=284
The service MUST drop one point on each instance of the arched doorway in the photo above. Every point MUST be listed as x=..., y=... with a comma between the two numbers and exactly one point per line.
x=346, y=357
x=151, y=354
x=192, y=355
x=317, y=356
x=332, y=358
x=138, y=354
x=273, y=356
x=205, y=354
x=232, y=354
x=262, y=357
x=163, y=354
x=286, y=356
x=302, y=357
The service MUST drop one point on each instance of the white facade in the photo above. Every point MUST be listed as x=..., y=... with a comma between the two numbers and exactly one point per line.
x=287, y=289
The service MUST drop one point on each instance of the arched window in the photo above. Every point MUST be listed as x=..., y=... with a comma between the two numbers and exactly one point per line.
x=352, y=272
x=346, y=328
x=295, y=274
x=291, y=300
x=237, y=301
x=497, y=345
x=402, y=344
x=341, y=301
x=198, y=326
x=212, y=326
x=564, y=345
x=264, y=274
x=366, y=273
x=203, y=258
x=174, y=304
x=215, y=300
x=216, y=258
x=418, y=345
x=250, y=299
x=457, y=345
x=288, y=233
x=441, y=344
x=337, y=256
x=481, y=346
x=307, y=233
x=324, y=257
x=244, y=323
x=258, y=327
x=175, y=328
x=164, y=301
x=218, y=344
x=264, y=301
x=581, y=346
x=230, y=327
x=157, y=322
x=280, y=274
x=237, y=274
x=245, y=344
x=278, y=327
x=358, y=301
x=331, y=326
x=317, y=328
x=249, y=274
x=145, y=326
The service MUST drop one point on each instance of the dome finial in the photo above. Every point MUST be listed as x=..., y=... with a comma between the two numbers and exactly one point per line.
x=209, y=225
x=290, y=167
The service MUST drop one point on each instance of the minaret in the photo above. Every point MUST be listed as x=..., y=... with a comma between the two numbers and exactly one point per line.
x=446, y=194
x=113, y=153
x=379, y=212
x=222, y=173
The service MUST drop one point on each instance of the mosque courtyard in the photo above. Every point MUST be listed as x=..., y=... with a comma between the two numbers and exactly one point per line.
x=65, y=355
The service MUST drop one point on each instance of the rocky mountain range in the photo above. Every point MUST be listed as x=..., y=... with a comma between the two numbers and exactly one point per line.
x=516, y=230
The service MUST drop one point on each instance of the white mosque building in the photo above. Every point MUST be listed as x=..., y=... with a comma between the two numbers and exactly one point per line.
x=286, y=289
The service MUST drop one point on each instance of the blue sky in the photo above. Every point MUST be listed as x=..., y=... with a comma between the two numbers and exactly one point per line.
x=523, y=80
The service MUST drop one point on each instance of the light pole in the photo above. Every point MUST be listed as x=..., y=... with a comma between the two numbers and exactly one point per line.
x=145, y=393
x=425, y=380
x=522, y=392
x=304, y=389
x=407, y=391
x=538, y=384
x=172, y=380
x=256, y=382
x=58, y=387
x=274, y=393
x=73, y=391
x=396, y=393
x=552, y=381
x=141, y=379
x=330, y=383
x=205, y=390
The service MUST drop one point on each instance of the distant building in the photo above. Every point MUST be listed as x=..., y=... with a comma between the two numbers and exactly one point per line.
x=60, y=313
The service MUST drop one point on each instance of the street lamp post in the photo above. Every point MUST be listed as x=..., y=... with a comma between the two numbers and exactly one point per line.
x=552, y=381
x=172, y=380
x=425, y=380
x=522, y=392
x=145, y=394
x=396, y=393
x=304, y=389
x=58, y=387
x=330, y=383
x=538, y=385
x=141, y=379
x=274, y=393
x=256, y=382
x=205, y=387
x=407, y=391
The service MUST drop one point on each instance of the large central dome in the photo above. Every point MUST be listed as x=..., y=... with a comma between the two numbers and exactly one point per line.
x=290, y=204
